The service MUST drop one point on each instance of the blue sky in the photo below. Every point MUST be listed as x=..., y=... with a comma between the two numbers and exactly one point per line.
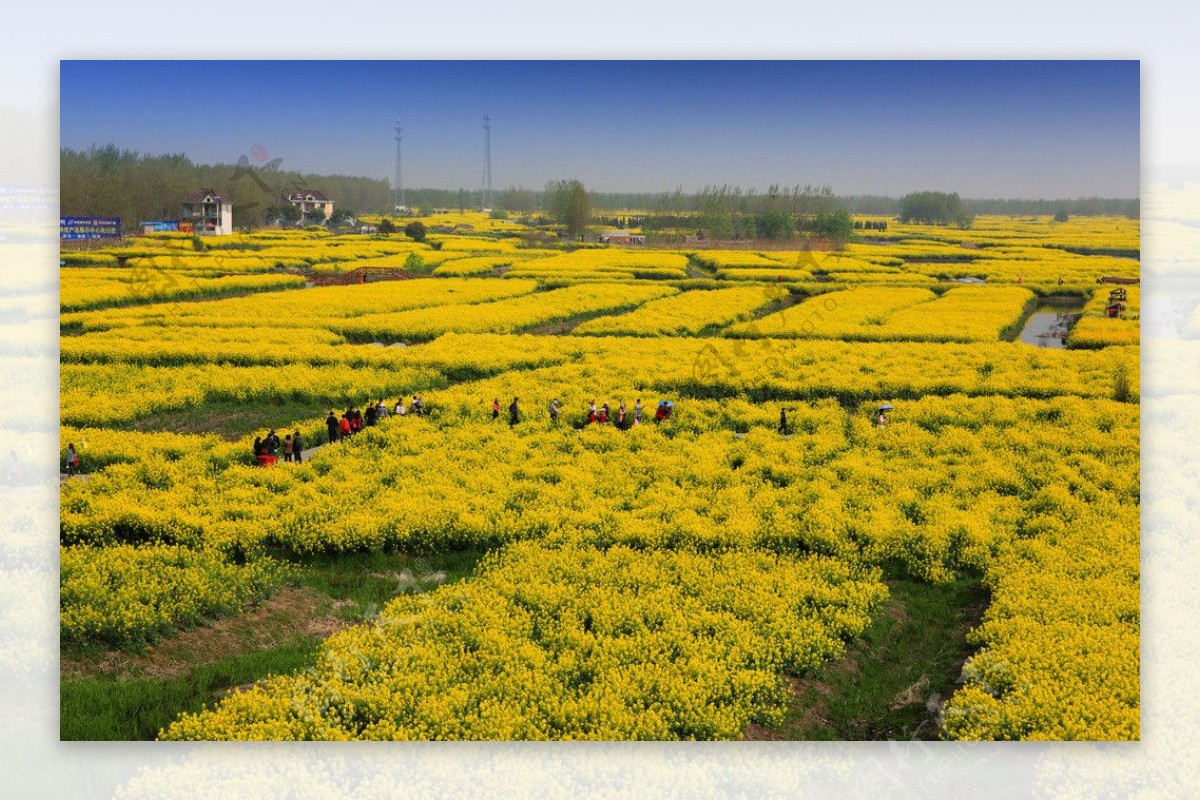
x=982, y=128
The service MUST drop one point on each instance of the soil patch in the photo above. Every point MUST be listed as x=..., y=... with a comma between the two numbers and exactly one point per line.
x=290, y=613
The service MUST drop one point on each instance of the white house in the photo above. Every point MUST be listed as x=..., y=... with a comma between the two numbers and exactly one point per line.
x=208, y=212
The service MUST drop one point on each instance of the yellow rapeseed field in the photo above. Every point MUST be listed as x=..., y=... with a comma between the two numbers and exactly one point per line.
x=644, y=578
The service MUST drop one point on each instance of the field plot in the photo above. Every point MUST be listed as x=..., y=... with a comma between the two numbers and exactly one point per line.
x=856, y=450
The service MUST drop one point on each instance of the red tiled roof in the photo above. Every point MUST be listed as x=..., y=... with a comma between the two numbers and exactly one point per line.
x=317, y=196
x=199, y=195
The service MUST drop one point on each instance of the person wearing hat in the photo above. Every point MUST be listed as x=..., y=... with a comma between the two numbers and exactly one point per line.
x=554, y=407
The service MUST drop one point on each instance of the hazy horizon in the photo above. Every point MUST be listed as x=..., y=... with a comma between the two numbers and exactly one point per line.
x=985, y=129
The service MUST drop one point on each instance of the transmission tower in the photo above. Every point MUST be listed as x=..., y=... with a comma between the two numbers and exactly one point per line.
x=400, y=202
x=485, y=195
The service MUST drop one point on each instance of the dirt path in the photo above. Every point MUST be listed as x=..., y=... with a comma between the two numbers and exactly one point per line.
x=289, y=613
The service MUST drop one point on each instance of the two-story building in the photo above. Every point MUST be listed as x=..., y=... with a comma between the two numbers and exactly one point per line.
x=208, y=212
x=309, y=201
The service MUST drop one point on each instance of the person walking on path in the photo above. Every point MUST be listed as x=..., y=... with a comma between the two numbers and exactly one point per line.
x=603, y=413
x=370, y=415
x=344, y=426
x=72, y=459
x=637, y=412
x=554, y=409
x=512, y=413
x=495, y=409
x=400, y=410
x=287, y=448
x=591, y=412
x=621, y=416
x=297, y=447
x=381, y=411
x=783, y=426
x=331, y=424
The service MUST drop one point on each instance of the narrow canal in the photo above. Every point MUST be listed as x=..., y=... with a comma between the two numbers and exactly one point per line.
x=1047, y=327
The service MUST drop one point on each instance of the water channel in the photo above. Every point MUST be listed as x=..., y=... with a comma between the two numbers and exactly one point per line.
x=1047, y=327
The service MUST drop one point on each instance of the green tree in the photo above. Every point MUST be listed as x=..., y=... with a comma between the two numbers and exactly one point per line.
x=414, y=263
x=775, y=224
x=568, y=202
x=518, y=200
x=836, y=226
x=415, y=231
x=715, y=219
x=934, y=208
x=316, y=216
x=289, y=213
x=386, y=226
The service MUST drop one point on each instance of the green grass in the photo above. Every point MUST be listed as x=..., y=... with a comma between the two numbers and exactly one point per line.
x=235, y=419
x=112, y=708
x=894, y=676
x=134, y=704
x=370, y=580
x=887, y=686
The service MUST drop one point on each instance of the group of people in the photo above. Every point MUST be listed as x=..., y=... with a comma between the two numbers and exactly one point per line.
x=354, y=419
x=350, y=423
x=514, y=411
x=292, y=446
x=622, y=418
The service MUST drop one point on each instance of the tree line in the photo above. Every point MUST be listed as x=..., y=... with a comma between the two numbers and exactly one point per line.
x=883, y=206
x=109, y=181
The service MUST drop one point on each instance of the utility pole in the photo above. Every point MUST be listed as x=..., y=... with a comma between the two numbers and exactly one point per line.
x=400, y=203
x=485, y=194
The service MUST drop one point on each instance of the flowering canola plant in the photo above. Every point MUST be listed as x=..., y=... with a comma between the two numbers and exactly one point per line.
x=648, y=583
x=568, y=643
x=686, y=313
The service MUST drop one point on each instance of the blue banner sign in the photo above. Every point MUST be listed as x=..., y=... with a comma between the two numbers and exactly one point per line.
x=89, y=227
